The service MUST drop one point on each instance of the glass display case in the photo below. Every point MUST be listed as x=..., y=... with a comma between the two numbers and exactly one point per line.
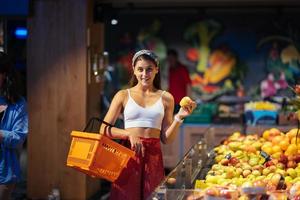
x=180, y=182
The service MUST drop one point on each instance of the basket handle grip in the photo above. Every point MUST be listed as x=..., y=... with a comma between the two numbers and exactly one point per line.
x=91, y=121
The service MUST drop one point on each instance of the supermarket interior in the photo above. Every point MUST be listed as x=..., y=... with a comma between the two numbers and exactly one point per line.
x=242, y=59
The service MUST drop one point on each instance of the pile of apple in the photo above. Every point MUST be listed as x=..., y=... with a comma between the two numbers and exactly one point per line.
x=271, y=161
x=261, y=105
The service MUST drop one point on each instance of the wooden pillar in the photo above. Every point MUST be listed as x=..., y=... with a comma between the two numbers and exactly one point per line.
x=60, y=99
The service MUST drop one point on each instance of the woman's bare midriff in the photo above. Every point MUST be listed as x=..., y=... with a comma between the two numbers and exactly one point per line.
x=145, y=132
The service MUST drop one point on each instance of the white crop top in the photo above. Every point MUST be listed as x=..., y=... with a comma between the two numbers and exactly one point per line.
x=138, y=116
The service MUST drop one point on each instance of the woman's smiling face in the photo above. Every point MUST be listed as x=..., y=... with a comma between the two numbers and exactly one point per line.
x=145, y=72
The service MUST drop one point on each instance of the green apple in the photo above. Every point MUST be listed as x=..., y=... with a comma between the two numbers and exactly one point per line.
x=292, y=172
x=246, y=172
x=266, y=171
x=256, y=173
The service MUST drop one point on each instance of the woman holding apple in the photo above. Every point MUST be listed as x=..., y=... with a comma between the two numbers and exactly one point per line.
x=148, y=119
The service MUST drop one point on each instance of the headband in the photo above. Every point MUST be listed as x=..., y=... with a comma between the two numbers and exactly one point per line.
x=145, y=52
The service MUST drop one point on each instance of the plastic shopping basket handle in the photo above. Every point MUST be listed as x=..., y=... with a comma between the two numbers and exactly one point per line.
x=91, y=121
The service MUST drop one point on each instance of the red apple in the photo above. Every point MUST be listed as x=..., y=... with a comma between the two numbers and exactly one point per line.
x=213, y=192
x=297, y=197
x=224, y=162
x=291, y=157
x=297, y=158
x=291, y=164
x=283, y=159
x=233, y=161
x=225, y=194
x=269, y=163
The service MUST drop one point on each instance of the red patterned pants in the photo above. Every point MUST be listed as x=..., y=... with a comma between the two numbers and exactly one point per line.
x=142, y=174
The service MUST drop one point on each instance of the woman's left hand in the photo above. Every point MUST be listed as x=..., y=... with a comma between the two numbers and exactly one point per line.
x=185, y=111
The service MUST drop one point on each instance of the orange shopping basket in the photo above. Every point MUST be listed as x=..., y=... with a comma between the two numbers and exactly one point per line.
x=97, y=155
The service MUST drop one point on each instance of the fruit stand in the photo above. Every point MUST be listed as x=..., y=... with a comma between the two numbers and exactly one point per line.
x=265, y=165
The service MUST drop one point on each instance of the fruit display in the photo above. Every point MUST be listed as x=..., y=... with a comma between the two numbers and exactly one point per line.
x=261, y=105
x=258, y=167
x=263, y=166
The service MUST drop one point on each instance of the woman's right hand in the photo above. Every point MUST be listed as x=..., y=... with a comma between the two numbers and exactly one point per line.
x=136, y=144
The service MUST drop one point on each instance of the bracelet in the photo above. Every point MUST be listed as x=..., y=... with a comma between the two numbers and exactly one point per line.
x=176, y=118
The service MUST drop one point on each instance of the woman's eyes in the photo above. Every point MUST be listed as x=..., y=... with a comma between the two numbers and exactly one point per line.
x=147, y=70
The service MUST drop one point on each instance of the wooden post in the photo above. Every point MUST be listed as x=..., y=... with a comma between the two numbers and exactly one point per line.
x=59, y=97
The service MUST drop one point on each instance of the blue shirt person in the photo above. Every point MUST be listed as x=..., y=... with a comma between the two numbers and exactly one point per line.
x=13, y=126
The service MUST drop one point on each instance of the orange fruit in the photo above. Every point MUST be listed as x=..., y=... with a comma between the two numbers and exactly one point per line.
x=274, y=132
x=276, y=149
x=284, y=144
x=266, y=134
x=267, y=149
x=250, y=148
x=277, y=139
x=293, y=140
x=276, y=155
x=291, y=150
x=292, y=133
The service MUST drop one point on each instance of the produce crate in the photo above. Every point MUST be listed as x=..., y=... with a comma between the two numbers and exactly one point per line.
x=203, y=114
x=198, y=119
x=261, y=117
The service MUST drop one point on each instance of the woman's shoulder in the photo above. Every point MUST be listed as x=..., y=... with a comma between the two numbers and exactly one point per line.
x=121, y=95
x=167, y=96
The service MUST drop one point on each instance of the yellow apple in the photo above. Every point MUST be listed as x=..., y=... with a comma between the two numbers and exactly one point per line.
x=185, y=101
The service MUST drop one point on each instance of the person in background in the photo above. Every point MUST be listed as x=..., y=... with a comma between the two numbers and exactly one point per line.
x=179, y=79
x=148, y=119
x=13, y=126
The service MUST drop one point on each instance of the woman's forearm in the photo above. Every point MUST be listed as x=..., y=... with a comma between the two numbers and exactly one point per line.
x=113, y=132
x=172, y=130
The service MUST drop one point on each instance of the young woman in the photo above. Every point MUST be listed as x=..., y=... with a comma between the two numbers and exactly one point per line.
x=148, y=119
x=13, y=126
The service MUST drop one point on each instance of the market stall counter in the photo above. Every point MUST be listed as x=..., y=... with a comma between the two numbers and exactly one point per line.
x=253, y=166
x=190, y=134
x=180, y=182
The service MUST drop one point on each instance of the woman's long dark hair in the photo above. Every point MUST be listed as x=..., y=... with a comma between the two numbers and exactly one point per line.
x=11, y=86
x=156, y=81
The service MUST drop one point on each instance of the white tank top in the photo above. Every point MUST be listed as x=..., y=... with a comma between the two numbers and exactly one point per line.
x=138, y=116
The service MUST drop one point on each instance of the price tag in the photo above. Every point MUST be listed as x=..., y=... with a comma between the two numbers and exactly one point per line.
x=265, y=156
x=228, y=156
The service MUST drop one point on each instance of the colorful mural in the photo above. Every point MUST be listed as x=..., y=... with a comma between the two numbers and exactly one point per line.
x=226, y=54
x=147, y=38
x=283, y=61
x=217, y=70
